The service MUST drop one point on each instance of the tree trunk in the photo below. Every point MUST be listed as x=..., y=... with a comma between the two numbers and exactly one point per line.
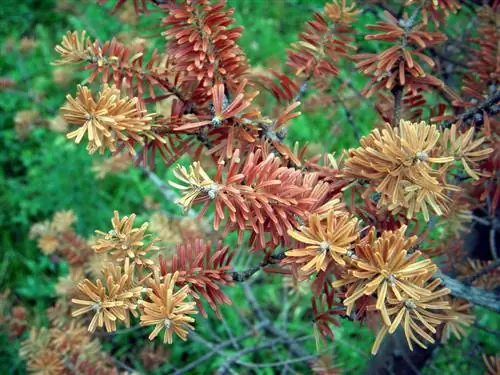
x=395, y=357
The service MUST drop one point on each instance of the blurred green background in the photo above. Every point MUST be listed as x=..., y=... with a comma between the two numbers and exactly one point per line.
x=41, y=172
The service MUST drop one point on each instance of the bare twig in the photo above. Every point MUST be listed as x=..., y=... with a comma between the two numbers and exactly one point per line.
x=214, y=349
x=230, y=334
x=491, y=106
x=397, y=92
x=169, y=194
x=118, y=332
x=493, y=246
x=303, y=88
x=271, y=328
x=481, y=221
x=350, y=119
x=240, y=276
x=472, y=294
x=225, y=368
x=494, y=222
x=279, y=363
x=490, y=267
x=124, y=366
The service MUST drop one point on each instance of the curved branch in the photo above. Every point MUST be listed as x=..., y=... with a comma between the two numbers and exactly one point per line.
x=472, y=294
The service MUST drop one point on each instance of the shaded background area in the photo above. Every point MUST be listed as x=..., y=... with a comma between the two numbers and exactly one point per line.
x=42, y=173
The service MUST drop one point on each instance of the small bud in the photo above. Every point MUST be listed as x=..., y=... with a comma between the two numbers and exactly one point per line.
x=324, y=246
x=422, y=156
x=216, y=121
x=391, y=280
x=410, y=304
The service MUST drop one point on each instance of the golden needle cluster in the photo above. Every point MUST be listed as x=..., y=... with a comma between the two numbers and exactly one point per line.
x=107, y=119
x=167, y=309
x=327, y=237
x=408, y=165
x=118, y=293
x=196, y=182
x=124, y=241
x=110, y=301
x=397, y=279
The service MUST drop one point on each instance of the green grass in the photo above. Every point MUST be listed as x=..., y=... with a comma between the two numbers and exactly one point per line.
x=46, y=173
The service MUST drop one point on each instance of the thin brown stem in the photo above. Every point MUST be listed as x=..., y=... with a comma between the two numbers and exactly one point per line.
x=397, y=92
x=240, y=276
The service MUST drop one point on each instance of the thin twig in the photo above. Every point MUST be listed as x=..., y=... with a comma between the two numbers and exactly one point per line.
x=230, y=361
x=448, y=59
x=397, y=92
x=215, y=349
x=230, y=334
x=124, y=366
x=286, y=307
x=240, y=276
x=493, y=220
x=271, y=328
x=490, y=106
x=279, y=363
x=303, y=88
x=493, y=246
x=350, y=120
x=118, y=332
x=410, y=363
x=481, y=221
x=169, y=193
